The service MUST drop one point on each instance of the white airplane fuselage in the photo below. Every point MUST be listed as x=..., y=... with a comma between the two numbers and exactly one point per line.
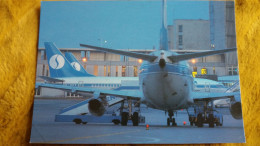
x=168, y=87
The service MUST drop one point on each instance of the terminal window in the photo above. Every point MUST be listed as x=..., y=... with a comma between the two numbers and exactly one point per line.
x=95, y=70
x=135, y=71
x=43, y=69
x=116, y=71
x=108, y=70
x=83, y=54
x=180, y=40
x=232, y=70
x=105, y=69
x=180, y=28
x=195, y=68
x=123, y=71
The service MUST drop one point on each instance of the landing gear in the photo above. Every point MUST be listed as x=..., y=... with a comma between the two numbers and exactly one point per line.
x=204, y=112
x=124, y=118
x=135, y=119
x=200, y=120
x=170, y=119
x=211, y=120
x=191, y=119
x=127, y=114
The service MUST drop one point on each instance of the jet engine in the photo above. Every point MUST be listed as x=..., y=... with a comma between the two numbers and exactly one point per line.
x=96, y=107
x=235, y=110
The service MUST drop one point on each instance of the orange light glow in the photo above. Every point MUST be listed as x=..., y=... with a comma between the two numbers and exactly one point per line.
x=147, y=127
x=84, y=59
x=184, y=122
x=193, y=61
x=140, y=61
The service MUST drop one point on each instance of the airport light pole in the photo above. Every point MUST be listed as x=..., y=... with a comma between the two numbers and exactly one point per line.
x=102, y=42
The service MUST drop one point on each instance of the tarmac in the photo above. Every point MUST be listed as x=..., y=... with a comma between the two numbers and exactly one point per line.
x=46, y=130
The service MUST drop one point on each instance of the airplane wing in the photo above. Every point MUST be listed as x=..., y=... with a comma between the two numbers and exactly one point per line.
x=201, y=96
x=120, y=52
x=176, y=58
x=105, y=92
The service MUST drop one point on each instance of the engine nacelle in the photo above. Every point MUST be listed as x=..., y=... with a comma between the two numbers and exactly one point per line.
x=236, y=110
x=96, y=107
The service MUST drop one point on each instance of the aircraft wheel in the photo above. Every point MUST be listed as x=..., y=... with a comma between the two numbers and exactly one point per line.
x=135, y=119
x=211, y=120
x=116, y=121
x=173, y=122
x=124, y=119
x=220, y=124
x=168, y=122
x=77, y=121
x=199, y=120
x=191, y=121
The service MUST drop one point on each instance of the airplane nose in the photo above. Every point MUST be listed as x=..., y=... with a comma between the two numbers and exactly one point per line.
x=162, y=63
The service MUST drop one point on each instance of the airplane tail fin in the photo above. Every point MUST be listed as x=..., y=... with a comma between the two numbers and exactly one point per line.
x=163, y=31
x=75, y=63
x=59, y=66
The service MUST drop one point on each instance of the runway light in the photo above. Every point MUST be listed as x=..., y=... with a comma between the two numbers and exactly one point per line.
x=140, y=61
x=84, y=59
x=184, y=122
x=193, y=61
x=147, y=127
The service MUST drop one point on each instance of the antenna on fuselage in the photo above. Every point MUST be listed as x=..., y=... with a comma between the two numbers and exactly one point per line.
x=163, y=32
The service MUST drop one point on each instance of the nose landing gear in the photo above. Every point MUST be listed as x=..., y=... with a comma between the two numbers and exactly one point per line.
x=171, y=119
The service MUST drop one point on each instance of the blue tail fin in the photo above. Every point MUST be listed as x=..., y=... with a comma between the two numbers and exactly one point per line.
x=59, y=66
x=75, y=64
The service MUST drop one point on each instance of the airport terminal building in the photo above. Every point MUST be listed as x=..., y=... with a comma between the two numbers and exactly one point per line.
x=185, y=36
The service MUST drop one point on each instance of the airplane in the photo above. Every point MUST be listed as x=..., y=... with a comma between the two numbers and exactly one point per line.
x=165, y=83
x=206, y=85
x=68, y=70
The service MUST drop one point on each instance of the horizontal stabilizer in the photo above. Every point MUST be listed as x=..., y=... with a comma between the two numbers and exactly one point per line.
x=183, y=57
x=125, y=53
x=49, y=79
